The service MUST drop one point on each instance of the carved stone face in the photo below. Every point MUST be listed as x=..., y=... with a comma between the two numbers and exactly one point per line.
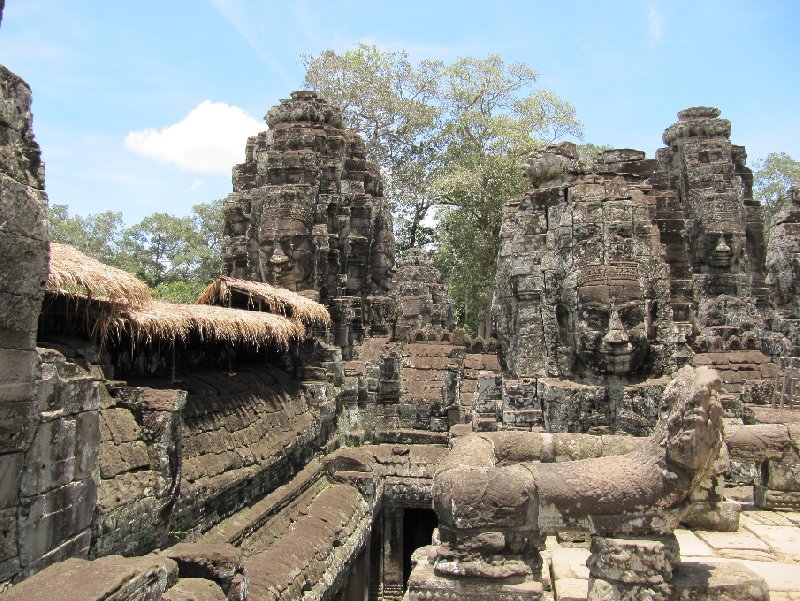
x=783, y=275
x=286, y=255
x=693, y=433
x=610, y=328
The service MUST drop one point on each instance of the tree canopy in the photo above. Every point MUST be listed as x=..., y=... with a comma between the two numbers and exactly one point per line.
x=450, y=137
x=176, y=256
x=772, y=177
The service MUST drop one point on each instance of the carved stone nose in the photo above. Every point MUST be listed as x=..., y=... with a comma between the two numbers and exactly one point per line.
x=278, y=258
x=722, y=248
x=616, y=332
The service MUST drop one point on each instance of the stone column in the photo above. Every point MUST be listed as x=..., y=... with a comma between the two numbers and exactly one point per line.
x=632, y=569
x=356, y=587
x=393, y=552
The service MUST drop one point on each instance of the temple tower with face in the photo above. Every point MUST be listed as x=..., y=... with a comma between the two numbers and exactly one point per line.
x=582, y=299
x=701, y=179
x=307, y=214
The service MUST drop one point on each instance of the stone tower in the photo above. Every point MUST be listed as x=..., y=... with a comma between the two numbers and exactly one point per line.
x=582, y=296
x=307, y=214
x=702, y=185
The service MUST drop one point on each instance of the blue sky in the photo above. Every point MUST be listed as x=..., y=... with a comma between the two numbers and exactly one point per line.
x=144, y=106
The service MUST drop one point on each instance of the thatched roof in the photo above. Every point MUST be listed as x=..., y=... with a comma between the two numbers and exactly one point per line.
x=172, y=321
x=73, y=273
x=277, y=300
x=126, y=306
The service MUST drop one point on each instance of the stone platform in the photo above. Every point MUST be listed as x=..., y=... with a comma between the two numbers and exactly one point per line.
x=767, y=543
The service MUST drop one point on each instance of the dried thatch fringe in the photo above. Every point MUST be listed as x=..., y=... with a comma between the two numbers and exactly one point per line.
x=277, y=300
x=125, y=304
x=170, y=321
x=73, y=273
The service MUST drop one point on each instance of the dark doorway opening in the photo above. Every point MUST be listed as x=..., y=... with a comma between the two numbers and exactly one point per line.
x=418, y=526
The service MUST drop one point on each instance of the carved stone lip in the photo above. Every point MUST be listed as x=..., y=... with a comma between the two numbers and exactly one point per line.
x=616, y=352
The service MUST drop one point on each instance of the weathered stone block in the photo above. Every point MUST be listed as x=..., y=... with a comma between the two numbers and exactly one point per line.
x=51, y=459
x=53, y=517
x=17, y=425
x=17, y=314
x=29, y=257
x=24, y=210
x=716, y=581
x=8, y=534
x=121, y=424
x=17, y=365
x=10, y=468
x=145, y=578
x=87, y=443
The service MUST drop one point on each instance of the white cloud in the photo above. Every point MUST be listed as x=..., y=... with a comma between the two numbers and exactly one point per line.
x=655, y=24
x=197, y=184
x=210, y=139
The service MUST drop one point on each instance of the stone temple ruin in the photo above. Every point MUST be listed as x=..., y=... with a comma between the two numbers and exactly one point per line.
x=315, y=428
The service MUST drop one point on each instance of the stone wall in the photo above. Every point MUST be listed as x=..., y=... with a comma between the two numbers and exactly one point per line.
x=50, y=490
x=179, y=460
x=139, y=469
x=48, y=406
x=411, y=392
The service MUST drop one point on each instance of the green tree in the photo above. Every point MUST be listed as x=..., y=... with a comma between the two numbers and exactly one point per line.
x=176, y=256
x=96, y=235
x=392, y=104
x=495, y=117
x=771, y=178
x=446, y=136
x=209, y=225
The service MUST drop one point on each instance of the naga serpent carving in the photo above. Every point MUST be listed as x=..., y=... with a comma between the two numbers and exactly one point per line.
x=476, y=491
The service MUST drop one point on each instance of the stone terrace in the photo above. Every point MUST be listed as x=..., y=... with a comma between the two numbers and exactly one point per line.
x=768, y=543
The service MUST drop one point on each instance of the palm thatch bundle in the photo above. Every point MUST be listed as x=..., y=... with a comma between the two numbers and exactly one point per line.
x=170, y=321
x=277, y=300
x=73, y=273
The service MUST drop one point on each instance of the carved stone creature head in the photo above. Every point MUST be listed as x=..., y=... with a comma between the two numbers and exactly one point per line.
x=610, y=322
x=549, y=165
x=692, y=431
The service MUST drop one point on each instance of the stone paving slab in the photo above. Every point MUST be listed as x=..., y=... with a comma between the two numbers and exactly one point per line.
x=767, y=518
x=781, y=577
x=571, y=589
x=737, y=545
x=784, y=540
x=691, y=545
x=711, y=578
x=569, y=562
x=768, y=544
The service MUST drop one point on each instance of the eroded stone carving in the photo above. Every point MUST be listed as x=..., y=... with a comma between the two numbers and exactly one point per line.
x=307, y=214
x=493, y=512
x=582, y=297
x=783, y=257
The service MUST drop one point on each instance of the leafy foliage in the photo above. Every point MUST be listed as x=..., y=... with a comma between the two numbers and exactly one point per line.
x=772, y=177
x=450, y=137
x=176, y=256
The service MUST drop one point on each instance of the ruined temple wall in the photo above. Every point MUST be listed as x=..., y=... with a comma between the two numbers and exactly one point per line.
x=243, y=437
x=48, y=406
x=175, y=461
x=53, y=484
